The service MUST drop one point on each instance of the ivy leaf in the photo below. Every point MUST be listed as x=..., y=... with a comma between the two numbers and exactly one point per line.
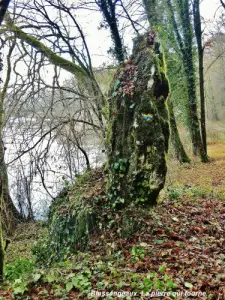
x=158, y=242
x=162, y=269
x=188, y=285
x=19, y=290
x=121, y=200
x=36, y=277
x=100, y=285
x=50, y=278
x=75, y=281
x=69, y=286
x=116, y=84
x=116, y=166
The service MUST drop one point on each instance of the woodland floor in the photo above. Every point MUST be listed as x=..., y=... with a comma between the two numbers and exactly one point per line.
x=182, y=251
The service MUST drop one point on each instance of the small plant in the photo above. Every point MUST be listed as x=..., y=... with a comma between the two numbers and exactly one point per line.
x=19, y=286
x=121, y=165
x=174, y=194
x=67, y=232
x=80, y=282
x=138, y=252
x=18, y=268
x=154, y=282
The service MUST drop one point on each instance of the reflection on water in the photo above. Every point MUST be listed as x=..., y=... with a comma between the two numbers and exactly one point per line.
x=41, y=173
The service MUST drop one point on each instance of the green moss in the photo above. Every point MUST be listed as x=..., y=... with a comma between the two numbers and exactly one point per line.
x=2, y=253
x=54, y=58
x=72, y=219
x=138, y=129
x=68, y=231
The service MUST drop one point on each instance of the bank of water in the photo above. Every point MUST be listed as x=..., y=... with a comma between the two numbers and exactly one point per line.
x=42, y=172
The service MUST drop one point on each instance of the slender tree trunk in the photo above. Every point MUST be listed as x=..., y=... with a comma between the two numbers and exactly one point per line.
x=152, y=10
x=214, y=115
x=222, y=3
x=202, y=101
x=189, y=69
x=1, y=255
x=108, y=8
x=185, y=45
x=10, y=214
x=3, y=7
x=198, y=35
x=179, y=150
x=1, y=219
x=1, y=191
x=138, y=130
x=195, y=133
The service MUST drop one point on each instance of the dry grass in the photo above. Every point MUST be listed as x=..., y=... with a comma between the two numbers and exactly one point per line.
x=208, y=177
x=215, y=132
x=25, y=235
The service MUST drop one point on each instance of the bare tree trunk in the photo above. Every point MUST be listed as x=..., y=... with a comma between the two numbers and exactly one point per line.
x=154, y=16
x=3, y=8
x=214, y=115
x=108, y=8
x=1, y=193
x=185, y=44
x=10, y=214
x=192, y=109
x=198, y=35
x=222, y=3
x=179, y=150
x=138, y=130
x=1, y=255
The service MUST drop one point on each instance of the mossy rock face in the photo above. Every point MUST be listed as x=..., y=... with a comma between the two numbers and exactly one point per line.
x=72, y=219
x=68, y=231
x=138, y=130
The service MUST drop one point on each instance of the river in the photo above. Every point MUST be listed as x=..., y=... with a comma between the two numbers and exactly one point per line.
x=53, y=162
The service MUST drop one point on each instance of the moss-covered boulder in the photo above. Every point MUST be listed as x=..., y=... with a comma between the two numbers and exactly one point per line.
x=72, y=219
x=138, y=130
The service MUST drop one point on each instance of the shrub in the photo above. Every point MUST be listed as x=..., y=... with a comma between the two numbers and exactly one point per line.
x=18, y=268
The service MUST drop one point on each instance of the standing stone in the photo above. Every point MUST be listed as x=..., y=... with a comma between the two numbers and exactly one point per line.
x=138, y=131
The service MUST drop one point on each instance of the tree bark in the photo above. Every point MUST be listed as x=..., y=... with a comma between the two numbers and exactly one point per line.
x=108, y=8
x=138, y=132
x=179, y=150
x=185, y=45
x=198, y=35
x=155, y=14
x=1, y=197
x=3, y=8
x=213, y=109
x=222, y=3
x=10, y=214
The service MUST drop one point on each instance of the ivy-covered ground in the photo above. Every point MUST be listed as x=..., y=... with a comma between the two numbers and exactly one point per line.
x=178, y=249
